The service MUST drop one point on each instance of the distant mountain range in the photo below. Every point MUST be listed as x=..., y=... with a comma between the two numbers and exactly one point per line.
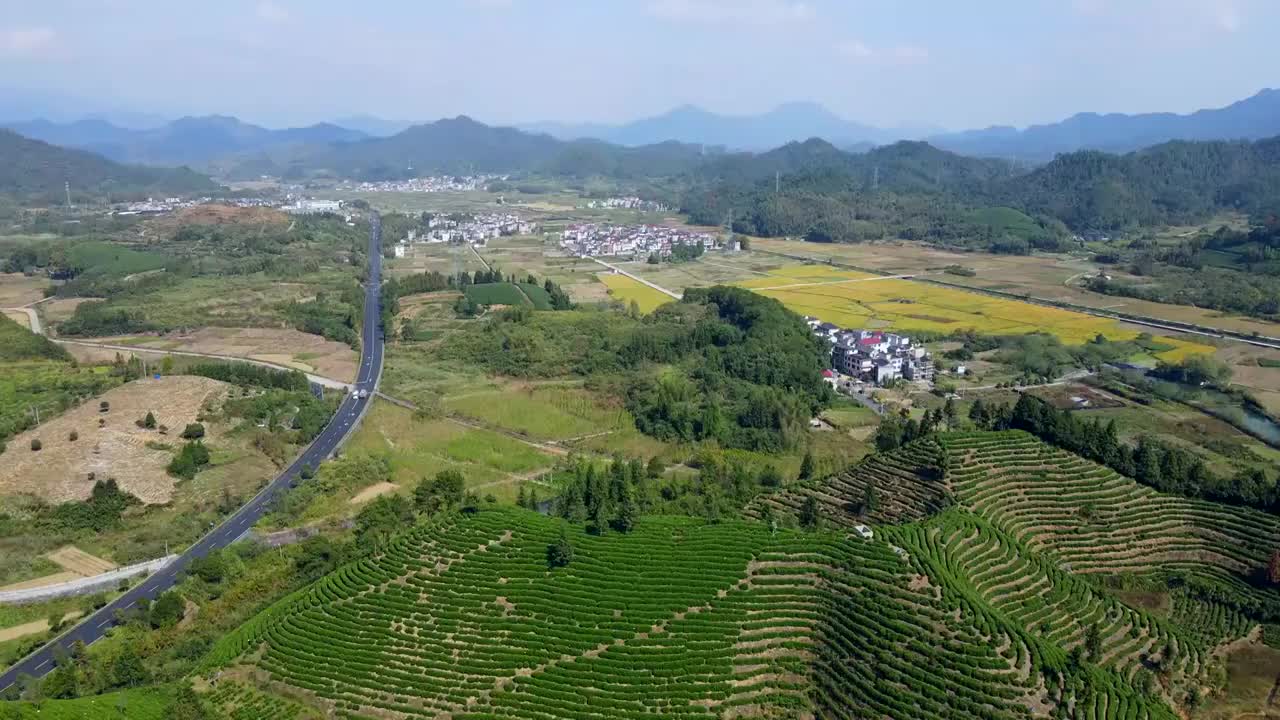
x=36, y=171
x=225, y=144
x=195, y=141
x=1253, y=118
x=689, y=124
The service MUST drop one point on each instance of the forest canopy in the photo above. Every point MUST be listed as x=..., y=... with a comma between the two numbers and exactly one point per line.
x=724, y=364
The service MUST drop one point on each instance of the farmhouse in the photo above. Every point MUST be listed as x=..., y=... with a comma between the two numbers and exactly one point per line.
x=873, y=355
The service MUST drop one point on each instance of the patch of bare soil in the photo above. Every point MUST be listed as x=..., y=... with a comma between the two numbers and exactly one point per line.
x=32, y=628
x=282, y=346
x=78, y=561
x=19, y=317
x=117, y=448
x=372, y=492
x=17, y=289
x=54, y=579
x=225, y=215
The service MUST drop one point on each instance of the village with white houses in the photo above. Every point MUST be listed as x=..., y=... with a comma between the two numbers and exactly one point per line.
x=466, y=229
x=627, y=203
x=431, y=184
x=871, y=356
x=594, y=239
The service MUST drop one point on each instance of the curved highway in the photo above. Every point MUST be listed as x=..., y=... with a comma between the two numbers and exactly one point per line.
x=344, y=420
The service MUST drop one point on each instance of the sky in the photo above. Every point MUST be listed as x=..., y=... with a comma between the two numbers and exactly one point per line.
x=889, y=63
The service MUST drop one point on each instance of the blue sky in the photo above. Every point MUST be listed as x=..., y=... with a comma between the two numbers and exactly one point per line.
x=885, y=62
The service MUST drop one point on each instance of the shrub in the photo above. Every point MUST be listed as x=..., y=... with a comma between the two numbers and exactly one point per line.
x=104, y=406
x=73, y=436
x=193, y=431
x=36, y=444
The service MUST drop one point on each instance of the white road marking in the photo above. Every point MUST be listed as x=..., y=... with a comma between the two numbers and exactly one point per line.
x=46, y=662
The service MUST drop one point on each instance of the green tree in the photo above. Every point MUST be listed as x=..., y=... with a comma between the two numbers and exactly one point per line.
x=806, y=466
x=382, y=518
x=211, y=568
x=560, y=552
x=193, y=431
x=655, y=468
x=149, y=422
x=870, y=499
x=951, y=413
x=1093, y=643
x=62, y=683
x=769, y=477
x=443, y=492
x=810, y=514
x=167, y=610
x=186, y=705
x=127, y=670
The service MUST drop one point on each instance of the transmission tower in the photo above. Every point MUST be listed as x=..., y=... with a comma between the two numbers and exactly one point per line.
x=67, y=187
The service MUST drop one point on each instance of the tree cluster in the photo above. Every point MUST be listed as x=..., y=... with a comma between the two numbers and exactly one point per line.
x=1151, y=462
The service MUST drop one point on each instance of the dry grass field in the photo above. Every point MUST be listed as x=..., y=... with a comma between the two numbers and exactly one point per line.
x=283, y=346
x=17, y=289
x=19, y=317
x=59, y=471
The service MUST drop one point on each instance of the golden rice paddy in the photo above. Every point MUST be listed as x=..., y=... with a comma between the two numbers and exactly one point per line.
x=859, y=300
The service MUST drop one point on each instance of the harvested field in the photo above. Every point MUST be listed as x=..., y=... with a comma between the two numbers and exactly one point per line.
x=306, y=352
x=17, y=289
x=80, y=562
x=59, y=471
x=32, y=628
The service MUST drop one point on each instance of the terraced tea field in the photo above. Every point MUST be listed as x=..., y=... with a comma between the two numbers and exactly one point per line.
x=1032, y=521
x=680, y=618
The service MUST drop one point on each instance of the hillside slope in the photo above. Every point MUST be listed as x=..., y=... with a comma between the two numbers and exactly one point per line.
x=36, y=171
x=679, y=618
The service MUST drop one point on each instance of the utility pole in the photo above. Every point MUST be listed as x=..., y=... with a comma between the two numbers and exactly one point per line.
x=777, y=181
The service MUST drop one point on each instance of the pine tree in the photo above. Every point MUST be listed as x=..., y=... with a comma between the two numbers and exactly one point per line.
x=806, y=466
x=809, y=514
x=522, y=499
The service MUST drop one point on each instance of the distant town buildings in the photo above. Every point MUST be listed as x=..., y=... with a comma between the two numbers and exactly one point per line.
x=434, y=183
x=464, y=228
x=312, y=207
x=628, y=203
x=874, y=356
x=160, y=206
x=606, y=240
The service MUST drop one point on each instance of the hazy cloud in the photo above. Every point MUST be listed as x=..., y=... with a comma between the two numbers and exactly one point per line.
x=271, y=12
x=738, y=12
x=858, y=51
x=1141, y=15
x=31, y=42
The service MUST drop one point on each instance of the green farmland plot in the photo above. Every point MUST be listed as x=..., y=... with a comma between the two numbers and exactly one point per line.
x=496, y=294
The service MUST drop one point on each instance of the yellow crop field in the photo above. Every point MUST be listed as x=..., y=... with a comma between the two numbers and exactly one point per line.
x=860, y=300
x=625, y=289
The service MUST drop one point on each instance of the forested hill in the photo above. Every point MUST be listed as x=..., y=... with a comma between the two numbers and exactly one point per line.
x=463, y=145
x=37, y=172
x=1175, y=182
x=914, y=190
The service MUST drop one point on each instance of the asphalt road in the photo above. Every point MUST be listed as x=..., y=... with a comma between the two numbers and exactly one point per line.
x=348, y=415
